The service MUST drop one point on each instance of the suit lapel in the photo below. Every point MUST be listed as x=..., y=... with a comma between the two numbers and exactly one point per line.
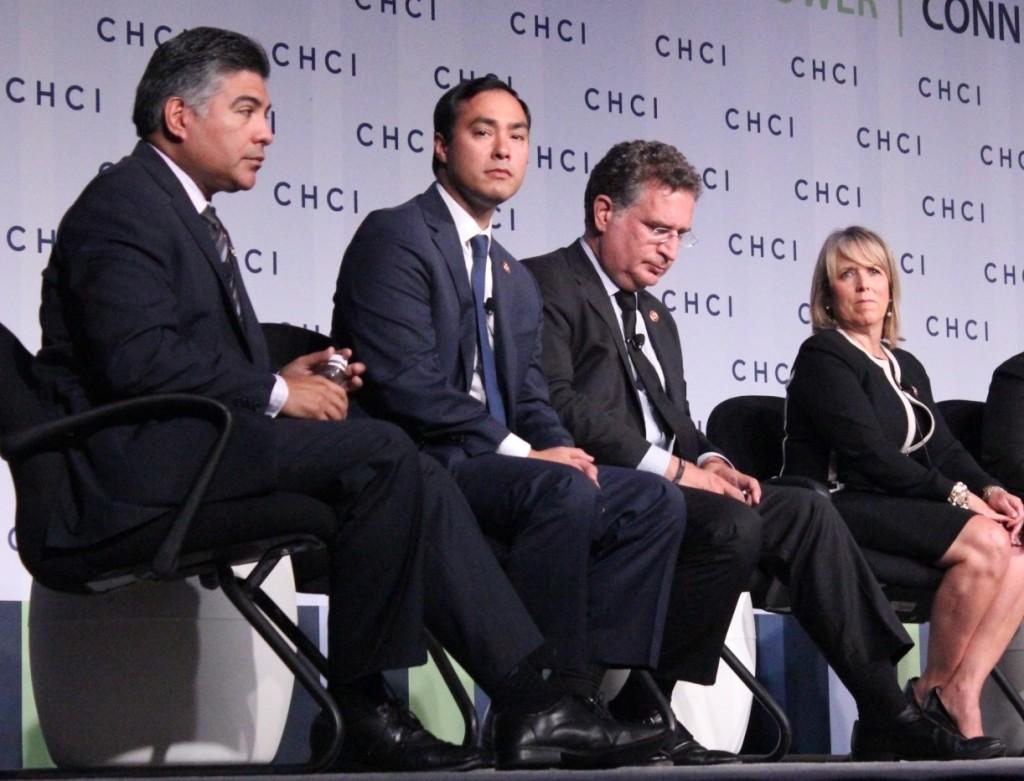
x=670, y=357
x=598, y=300
x=446, y=241
x=249, y=333
x=505, y=352
x=661, y=342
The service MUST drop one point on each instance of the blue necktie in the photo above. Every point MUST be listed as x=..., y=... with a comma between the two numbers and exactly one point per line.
x=479, y=245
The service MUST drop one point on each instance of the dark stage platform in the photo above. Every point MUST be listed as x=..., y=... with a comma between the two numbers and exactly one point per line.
x=804, y=769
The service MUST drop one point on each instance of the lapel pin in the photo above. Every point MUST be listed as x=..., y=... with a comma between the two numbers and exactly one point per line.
x=653, y=316
x=505, y=267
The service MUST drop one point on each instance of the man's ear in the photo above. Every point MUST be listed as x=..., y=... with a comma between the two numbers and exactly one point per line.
x=440, y=149
x=603, y=209
x=176, y=118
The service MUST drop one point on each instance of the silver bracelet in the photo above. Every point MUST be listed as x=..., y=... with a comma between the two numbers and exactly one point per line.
x=958, y=495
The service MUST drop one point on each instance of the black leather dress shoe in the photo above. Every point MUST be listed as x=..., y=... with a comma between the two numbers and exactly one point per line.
x=574, y=732
x=684, y=749
x=910, y=735
x=390, y=738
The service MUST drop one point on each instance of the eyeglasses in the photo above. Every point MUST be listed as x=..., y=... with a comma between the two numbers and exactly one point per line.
x=659, y=234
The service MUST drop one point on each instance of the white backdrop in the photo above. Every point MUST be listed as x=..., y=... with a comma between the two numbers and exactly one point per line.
x=806, y=115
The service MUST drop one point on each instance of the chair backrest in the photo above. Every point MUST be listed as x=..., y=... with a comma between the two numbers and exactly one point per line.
x=41, y=481
x=749, y=429
x=20, y=406
x=965, y=418
x=286, y=342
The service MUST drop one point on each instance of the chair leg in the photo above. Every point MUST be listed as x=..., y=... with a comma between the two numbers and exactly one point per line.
x=661, y=702
x=303, y=670
x=1008, y=690
x=462, y=699
x=308, y=649
x=298, y=638
x=766, y=701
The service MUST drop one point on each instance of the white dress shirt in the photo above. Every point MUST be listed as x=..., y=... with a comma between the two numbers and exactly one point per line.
x=659, y=455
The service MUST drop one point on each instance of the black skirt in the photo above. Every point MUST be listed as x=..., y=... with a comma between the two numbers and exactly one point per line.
x=916, y=528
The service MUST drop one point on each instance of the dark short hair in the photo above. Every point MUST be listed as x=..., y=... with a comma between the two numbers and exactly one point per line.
x=628, y=166
x=190, y=66
x=447, y=109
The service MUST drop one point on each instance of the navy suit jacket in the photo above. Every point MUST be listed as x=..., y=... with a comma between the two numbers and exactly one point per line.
x=405, y=305
x=585, y=360
x=135, y=302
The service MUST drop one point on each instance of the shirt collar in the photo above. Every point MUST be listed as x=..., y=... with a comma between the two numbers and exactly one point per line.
x=465, y=225
x=195, y=195
x=609, y=287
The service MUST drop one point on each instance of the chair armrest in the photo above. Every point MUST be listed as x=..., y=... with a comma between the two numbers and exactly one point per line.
x=57, y=434
x=795, y=481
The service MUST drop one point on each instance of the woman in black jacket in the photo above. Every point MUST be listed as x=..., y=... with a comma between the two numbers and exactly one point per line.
x=860, y=417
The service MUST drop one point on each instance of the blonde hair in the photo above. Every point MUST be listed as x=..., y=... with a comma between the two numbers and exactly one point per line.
x=867, y=248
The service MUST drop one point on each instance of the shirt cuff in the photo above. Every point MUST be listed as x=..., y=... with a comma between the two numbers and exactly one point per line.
x=655, y=460
x=514, y=446
x=278, y=397
x=703, y=458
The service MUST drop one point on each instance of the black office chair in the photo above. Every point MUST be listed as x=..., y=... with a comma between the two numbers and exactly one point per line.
x=965, y=419
x=751, y=429
x=285, y=342
x=187, y=541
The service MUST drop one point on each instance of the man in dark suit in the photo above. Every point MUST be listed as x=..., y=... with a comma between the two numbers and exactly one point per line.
x=449, y=327
x=143, y=295
x=613, y=359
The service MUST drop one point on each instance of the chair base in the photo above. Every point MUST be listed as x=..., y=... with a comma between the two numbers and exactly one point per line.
x=217, y=694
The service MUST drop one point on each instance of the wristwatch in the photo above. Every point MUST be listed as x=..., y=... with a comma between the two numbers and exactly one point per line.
x=958, y=495
x=679, y=472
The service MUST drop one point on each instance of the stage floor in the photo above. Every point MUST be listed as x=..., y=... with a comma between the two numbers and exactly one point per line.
x=803, y=769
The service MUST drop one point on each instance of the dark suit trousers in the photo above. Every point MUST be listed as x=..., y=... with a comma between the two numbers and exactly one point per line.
x=805, y=544
x=593, y=566
x=407, y=551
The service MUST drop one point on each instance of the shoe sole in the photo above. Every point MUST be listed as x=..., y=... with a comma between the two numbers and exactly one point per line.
x=545, y=756
x=892, y=756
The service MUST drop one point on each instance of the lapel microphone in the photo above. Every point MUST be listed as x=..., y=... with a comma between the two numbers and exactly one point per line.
x=636, y=341
x=489, y=306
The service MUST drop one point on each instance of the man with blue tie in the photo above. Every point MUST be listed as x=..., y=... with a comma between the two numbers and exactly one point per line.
x=448, y=324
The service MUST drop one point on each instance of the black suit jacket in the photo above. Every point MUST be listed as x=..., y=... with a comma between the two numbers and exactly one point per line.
x=840, y=404
x=405, y=305
x=588, y=370
x=135, y=302
x=1003, y=430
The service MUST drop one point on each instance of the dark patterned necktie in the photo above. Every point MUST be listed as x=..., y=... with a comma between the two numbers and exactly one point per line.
x=479, y=244
x=226, y=253
x=674, y=420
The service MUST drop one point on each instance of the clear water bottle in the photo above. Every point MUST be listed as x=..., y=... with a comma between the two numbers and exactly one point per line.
x=335, y=369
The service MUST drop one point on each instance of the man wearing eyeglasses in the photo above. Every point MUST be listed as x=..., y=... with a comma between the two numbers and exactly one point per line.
x=614, y=363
